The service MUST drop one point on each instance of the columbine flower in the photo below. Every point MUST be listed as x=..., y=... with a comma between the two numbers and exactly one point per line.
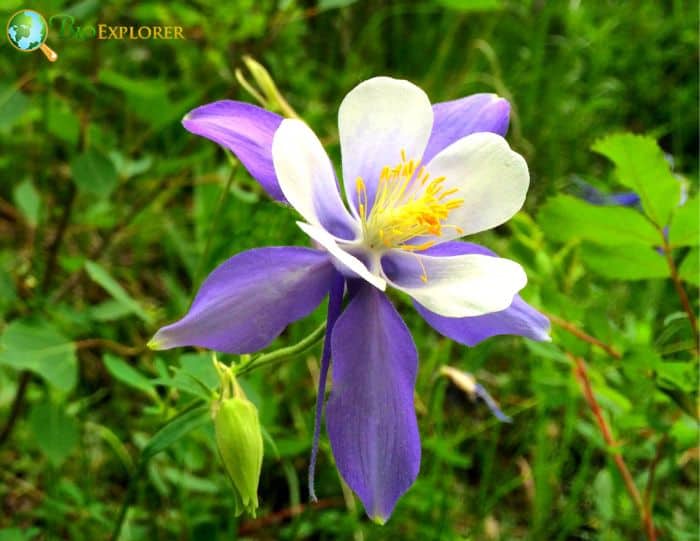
x=417, y=177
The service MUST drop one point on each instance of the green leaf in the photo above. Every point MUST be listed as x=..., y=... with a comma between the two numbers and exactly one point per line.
x=191, y=483
x=640, y=165
x=127, y=374
x=685, y=226
x=148, y=98
x=39, y=347
x=195, y=375
x=324, y=5
x=603, y=488
x=681, y=375
x=55, y=431
x=12, y=106
x=689, y=270
x=565, y=217
x=28, y=200
x=94, y=174
x=109, y=310
x=625, y=262
x=176, y=428
x=101, y=276
x=63, y=123
x=128, y=168
x=18, y=534
x=471, y=5
x=141, y=88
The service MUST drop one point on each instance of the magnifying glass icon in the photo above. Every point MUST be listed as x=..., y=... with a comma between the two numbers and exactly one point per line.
x=27, y=31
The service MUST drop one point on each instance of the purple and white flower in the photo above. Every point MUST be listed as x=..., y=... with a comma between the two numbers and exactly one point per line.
x=417, y=177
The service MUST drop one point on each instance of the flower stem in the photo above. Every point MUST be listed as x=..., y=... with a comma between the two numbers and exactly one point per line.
x=581, y=374
x=121, y=349
x=282, y=354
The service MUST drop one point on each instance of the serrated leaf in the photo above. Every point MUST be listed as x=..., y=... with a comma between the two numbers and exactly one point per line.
x=176, y=428
x=640, y=165
x=55, y=431
x=28, y=200
x=40, y=347
x=127, y=374
x=689, y=271
x=685, y=226
x=100, y=275
x=565, y=217
x=94, y=174
x=625, y=262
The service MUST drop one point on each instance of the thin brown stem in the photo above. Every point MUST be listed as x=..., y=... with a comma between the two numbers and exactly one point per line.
x=581, y=374
x=682, y=295
x=578, y=333
x=127, y=351
x=252, y=526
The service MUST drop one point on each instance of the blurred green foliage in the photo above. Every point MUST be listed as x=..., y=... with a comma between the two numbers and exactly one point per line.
x=111, y=214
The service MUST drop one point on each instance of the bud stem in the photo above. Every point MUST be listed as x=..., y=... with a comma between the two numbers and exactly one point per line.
x=282, y=354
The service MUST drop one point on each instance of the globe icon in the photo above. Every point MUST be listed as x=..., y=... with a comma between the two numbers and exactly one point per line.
x=27, y=30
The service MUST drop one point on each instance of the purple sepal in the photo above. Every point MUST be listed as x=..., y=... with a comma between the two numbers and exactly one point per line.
x=244, y=129
x=459, y=118
x=370, y=415
x=519, y=318
x=248, y=300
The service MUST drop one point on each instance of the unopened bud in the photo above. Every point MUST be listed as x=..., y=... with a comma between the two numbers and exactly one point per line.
x=271, y=97
x=239, y=439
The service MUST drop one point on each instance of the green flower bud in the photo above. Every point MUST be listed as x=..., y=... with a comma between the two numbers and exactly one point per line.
x=271, y=97
x=239, y=439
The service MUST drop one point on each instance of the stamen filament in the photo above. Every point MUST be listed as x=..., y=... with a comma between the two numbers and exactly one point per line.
x=407, y=204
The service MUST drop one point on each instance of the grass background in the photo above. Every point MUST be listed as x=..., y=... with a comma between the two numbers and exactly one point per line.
x=95, y=166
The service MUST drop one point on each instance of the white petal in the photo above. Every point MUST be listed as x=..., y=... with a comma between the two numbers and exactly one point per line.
x=377, y=120
x=456, y=286
x=346, y=261
x=306, y=177
x=490, y=178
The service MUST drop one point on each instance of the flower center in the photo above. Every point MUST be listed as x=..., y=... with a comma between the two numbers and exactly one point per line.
x=408, y=204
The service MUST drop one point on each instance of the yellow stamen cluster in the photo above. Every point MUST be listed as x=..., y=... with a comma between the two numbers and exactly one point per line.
x=408, y=204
